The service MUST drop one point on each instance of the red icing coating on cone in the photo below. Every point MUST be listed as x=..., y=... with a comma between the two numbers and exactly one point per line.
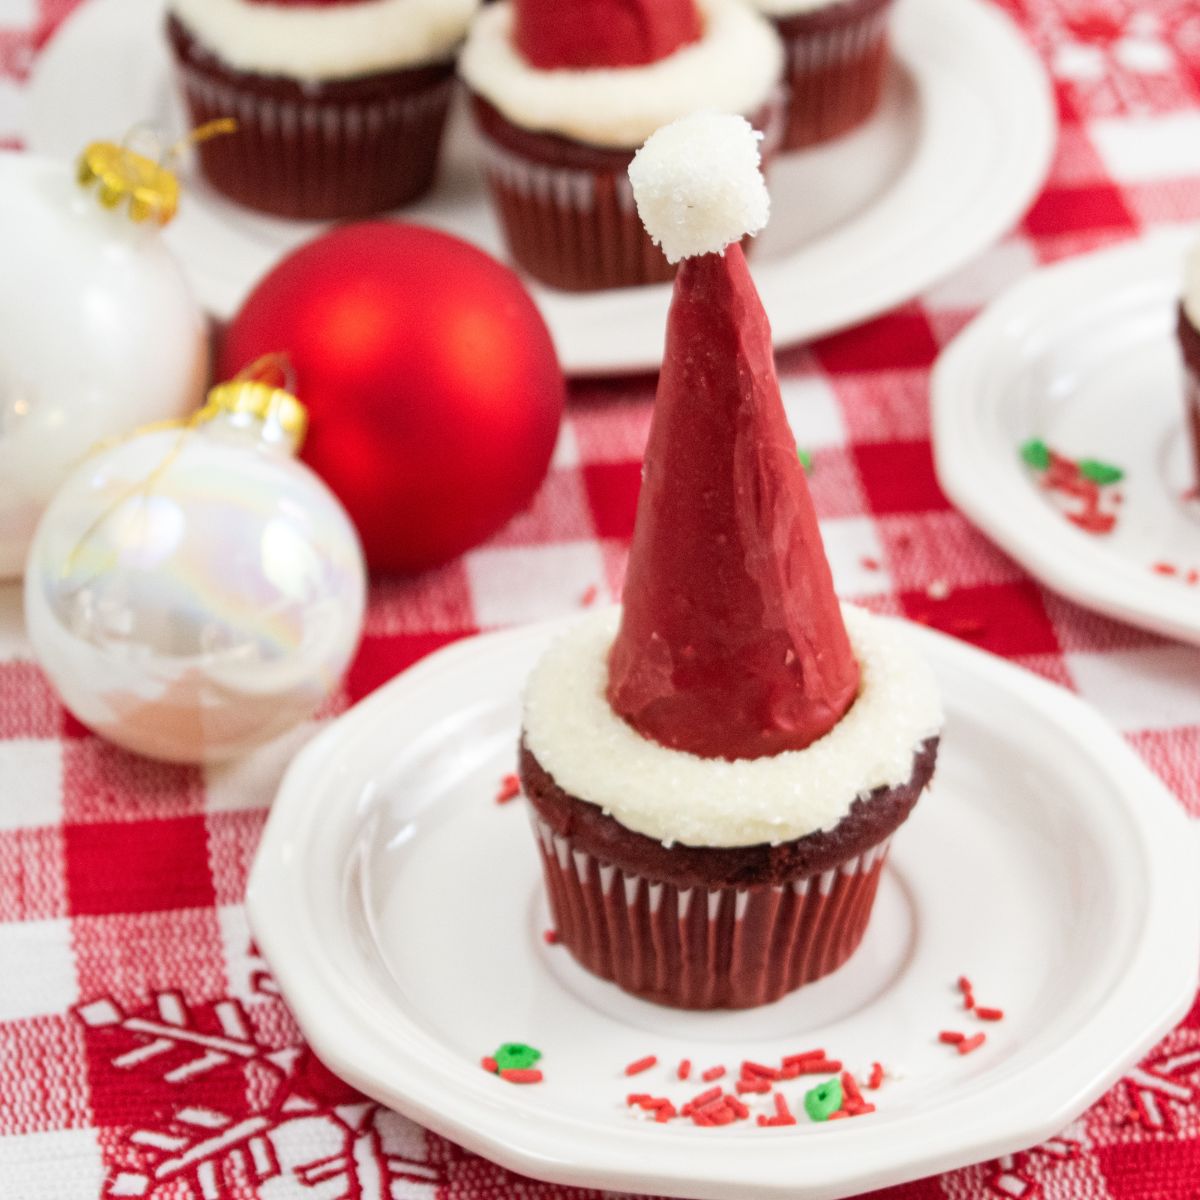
x=731, y=643
x=603, y=33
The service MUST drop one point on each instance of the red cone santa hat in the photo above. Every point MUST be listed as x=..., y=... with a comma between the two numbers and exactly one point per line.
x=731, y=642
x=603, y=33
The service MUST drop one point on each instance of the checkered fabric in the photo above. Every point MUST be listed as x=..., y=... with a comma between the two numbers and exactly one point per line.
x=144, y=1050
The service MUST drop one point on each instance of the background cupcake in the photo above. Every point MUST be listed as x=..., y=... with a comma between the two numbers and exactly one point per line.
x=715, y=776
x=564, y=91
x=340, y=103
x=837, y=56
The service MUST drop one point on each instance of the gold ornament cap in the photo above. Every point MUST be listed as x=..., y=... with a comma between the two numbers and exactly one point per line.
x=260, y=399
x=148, y=186
x=122, y=176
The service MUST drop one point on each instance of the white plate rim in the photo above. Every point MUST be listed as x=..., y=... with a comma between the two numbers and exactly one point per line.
x=931, y=220
x=349, y=1027
x=987, y=482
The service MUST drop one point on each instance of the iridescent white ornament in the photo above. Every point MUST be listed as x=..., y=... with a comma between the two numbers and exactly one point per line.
x=192, y=592
x=99, y=332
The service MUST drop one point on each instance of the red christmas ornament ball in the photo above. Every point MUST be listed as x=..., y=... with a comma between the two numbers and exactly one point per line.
x=432, y=386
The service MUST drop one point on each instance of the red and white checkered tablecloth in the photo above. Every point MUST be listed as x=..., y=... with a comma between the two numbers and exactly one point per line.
x=143, y=1048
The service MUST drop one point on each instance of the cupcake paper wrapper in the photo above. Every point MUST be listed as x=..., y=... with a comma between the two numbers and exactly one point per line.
x=316, y=158
x=572, y=228
x=723, y=947
x=834, y=77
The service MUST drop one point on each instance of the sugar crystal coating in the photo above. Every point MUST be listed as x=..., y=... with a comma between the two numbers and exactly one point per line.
x=699, y=186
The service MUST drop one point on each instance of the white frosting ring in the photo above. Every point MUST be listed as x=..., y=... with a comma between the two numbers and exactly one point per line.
x=340, y=41
x=733, y=68
x=790, y=8
x=674, y=796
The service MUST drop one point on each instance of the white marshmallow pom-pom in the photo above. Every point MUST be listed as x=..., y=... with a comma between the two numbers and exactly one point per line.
x=698, y=184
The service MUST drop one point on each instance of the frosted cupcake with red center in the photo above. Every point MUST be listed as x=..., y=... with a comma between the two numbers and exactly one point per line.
x=717, y=769
x=340, y=104
x=837, y=57
x=565, y=91
x=1188, y=330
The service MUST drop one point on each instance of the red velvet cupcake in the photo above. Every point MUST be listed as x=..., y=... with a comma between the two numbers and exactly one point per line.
x=564, y=91
x=837, y=56
x=717, y=770
x=340, y=104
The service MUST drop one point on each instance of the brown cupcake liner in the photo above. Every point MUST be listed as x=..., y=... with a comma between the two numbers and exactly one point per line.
x=571, y=227
x=703, y=948
x=1189, y=344
x=569, y=219
x=834, y=72
x=318, y=153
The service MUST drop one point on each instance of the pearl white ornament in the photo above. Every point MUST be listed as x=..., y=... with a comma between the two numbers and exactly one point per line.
x=192, y=593
x=98, y=334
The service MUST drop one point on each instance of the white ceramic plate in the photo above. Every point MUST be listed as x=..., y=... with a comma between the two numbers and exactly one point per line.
x=402, y=912
x=959, y=148
x=1082, y=355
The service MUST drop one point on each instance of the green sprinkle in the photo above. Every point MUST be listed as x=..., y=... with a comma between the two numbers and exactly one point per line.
x=824, y=1099
x=805, y=458
x=1099, y=472
x=516, y=1056
x=1036, y=453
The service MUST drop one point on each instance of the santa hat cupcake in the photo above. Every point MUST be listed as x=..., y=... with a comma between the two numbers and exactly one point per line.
x=837, y=57
x=340, y=104
x=717, y=770
x=564, y=91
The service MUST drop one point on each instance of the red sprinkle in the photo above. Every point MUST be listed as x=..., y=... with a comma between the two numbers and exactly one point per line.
x=1193, y=576
x=510, y=789
x=850, y=1089
x=1166, y=568
x=712, y=1073
x=876, y=1078
x=869, y=564
x=700, y=1101
x=793, y=1059
x=699, y=1118
x=951, y=1037
x=759, y=1086
x=642, y=1064
x=665, y=1112
x=737, y=1107
x=529, y=1075
x=759, y=1069
x=589, y=595
x=989, y=1014
x=640, y=1098
x=820, y=1066
x=840, y=1115
x=685, y=1068
x=550, y=937
x=971, y=1043
x=861, y=1110
x=488, y=1063
x=781, y=1107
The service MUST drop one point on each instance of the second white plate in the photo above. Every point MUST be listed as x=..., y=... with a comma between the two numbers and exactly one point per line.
x=1083, y=356
x=960, y=146
x=402, y=911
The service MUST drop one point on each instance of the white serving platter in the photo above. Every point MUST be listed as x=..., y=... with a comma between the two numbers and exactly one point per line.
x=960, y=146
x=402, y=911
x=1082, y=355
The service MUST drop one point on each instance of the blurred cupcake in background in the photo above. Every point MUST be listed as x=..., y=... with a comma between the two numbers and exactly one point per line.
x=565, y=91
x=340, y=104
x=837, y=57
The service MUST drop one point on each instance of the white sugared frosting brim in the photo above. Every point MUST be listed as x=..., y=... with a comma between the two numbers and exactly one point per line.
x=338, y=41
x=1191, y=286
x=733, y=68
x=790, y=8
x=674, y=796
